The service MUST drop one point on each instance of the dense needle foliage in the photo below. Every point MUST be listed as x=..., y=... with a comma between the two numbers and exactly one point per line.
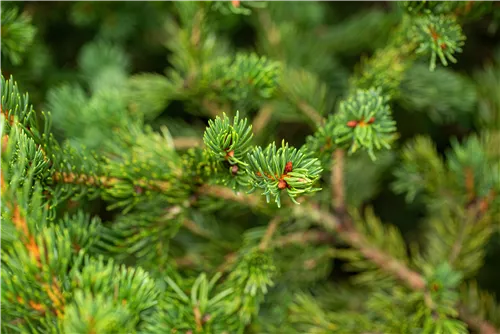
x=250, y=167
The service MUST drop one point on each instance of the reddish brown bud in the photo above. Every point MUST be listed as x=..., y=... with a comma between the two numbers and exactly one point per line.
x=443, y=46
x=372, y=119
x=288, y=167
x=352, y=124
x=234, y=169
x=138, y=190
x=230, y=154
x=235, y=3
x=282, y=184
x=206, y=318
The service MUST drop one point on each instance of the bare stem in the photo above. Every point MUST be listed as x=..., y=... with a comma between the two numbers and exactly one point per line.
x=273, y=34
x=310, y=112
x=212, y=108
x=262, y=118
x=227, y=194
x=195, y=229
x=306, y=237
x=181, y=143
x=411, y=278
x=97, y=181
x=228, y=262
x=476, y=323
x=337, y=180
x=273, y=225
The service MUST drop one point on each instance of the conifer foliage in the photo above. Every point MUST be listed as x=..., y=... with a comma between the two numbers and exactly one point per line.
x=180, y=197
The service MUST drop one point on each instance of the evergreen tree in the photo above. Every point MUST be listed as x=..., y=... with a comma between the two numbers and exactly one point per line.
x=236, y=186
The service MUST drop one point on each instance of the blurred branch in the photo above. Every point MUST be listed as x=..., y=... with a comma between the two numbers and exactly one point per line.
x=273, y=225
x=262, y=118
x=310, y=112
x=337, y=180
x=181, y=143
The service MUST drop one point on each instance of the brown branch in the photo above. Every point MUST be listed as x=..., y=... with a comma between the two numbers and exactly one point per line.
x=262, y=118
x=305, y=237
x=337, y=182
x=476, y=323
x=73, y=178
x=213, y=108
x=107, y=182
x=197, y=318
x=184, y=261
x=181, y=143
x=310, y=112
x=394, y=267
x=273, y=225
x=195, y=229
x=385, y=262
x=196, y=28
x=228, y=262
x=251, y=201
x=273, y=34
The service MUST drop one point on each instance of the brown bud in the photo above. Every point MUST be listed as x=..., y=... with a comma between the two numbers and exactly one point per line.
x=282, y=184
x=288, y=167
x=234, y=169
x=352, y=124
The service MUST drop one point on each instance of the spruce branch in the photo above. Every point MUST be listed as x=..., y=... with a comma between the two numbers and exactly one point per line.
x=331, y=223
x=285, y=169
x=364, y=120
x=17, y=33
x=229, y=142
x=244, y=79
x=440, y=36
